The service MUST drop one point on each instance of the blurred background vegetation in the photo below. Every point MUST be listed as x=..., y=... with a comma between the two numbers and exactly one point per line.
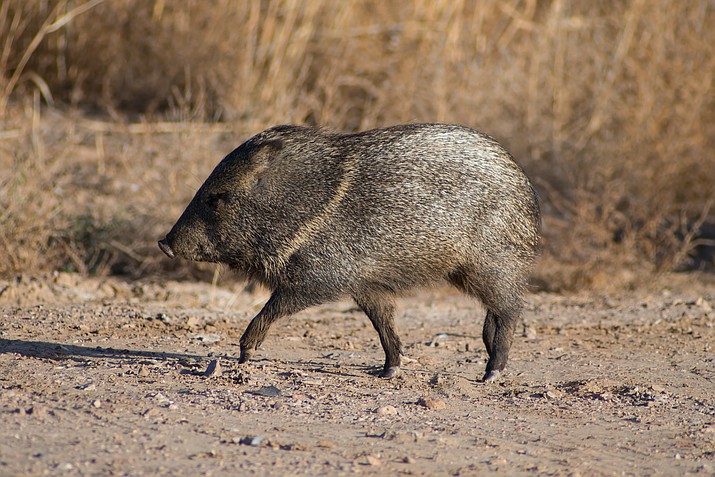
x=112, y=112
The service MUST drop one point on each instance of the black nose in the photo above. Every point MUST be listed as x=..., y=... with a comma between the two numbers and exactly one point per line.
x=164, y=246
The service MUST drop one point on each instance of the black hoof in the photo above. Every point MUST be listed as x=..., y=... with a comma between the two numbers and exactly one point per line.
x=389, y=373
x=245, y=356
x=491, y=376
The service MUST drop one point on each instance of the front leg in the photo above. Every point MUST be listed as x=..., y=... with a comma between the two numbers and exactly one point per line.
x=380, y=308
x=282, y=303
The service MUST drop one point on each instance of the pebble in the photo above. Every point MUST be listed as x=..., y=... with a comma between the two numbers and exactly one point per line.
x=404, y=437
x=162, y=400
x=268, y=391
x=38, y=410
x=163, y=318
x=143, y=371
x=208, y=338
x=253, y=441
x=702, y=303
x=151, y=412
x=553, y=394
x=386, y=411
x=97, y=403
x=372, y=460
x=214, y=369
x=431, y=403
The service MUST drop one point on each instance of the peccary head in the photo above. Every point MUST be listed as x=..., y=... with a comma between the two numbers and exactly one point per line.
x=218, y=225
x=256, y=199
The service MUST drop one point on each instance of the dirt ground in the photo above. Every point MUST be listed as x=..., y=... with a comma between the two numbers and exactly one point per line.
x=105, y=377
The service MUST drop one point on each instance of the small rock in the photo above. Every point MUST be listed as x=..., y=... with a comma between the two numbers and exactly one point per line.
x=657, y=388
x=408, y=460
x=405, y=437
x=38, y=410
x=143, y=371
x=386, y=411
x=703, y=303
x=326, y=444
x=372, y=460
x=553, y=394
x=430, y=403
x=87, y=387
x=291, y=447
x=208, y=338
x=97, y=403
x=163, y=318
x=151, y=412
x=268, y=391
x=253, y=441
x=162, y=400
x=214, y=369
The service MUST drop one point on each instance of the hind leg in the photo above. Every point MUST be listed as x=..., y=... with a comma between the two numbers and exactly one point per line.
x=381, y=311
x=503, y=305
x=498, y=335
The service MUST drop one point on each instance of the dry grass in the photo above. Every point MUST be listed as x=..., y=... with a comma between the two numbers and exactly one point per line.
x=609, y=105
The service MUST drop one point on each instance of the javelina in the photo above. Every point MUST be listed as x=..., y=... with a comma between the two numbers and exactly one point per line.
x=315, y=215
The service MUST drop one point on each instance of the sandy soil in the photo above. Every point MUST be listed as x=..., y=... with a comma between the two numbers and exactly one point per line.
x=104, y=377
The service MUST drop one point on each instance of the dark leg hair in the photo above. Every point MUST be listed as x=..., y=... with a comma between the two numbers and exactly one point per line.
x=498, y=335
x=381, y=311
x=281, y=304
x=503, y=306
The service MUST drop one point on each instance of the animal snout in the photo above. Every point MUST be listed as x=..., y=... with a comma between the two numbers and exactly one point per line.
x=166, y=248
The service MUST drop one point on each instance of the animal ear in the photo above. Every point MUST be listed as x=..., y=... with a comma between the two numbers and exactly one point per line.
x=260, y=161
x=267, y=150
